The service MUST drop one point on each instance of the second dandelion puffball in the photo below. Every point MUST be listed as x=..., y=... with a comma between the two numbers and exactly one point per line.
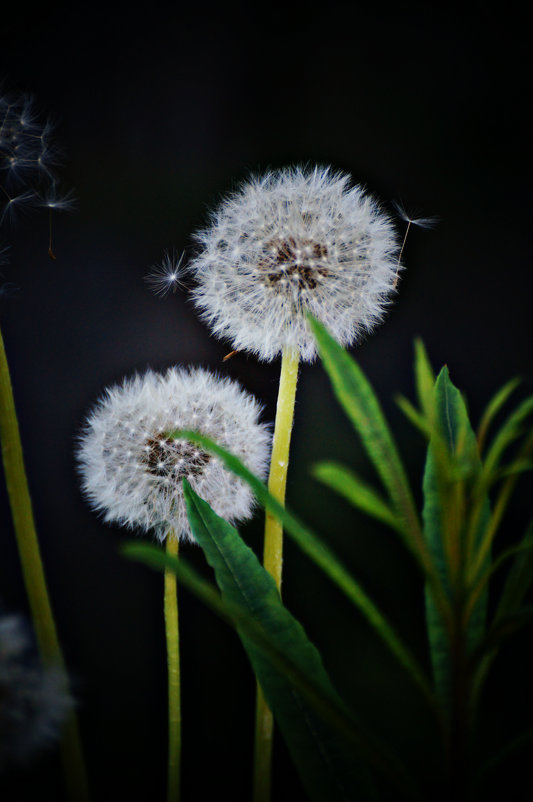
x=290, y=242
x=132, y=468
x=34, y=701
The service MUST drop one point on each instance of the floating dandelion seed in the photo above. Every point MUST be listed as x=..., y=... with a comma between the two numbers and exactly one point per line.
x=28, y=158
x=132, y=468
x=411, y=220
x=167, y=276
x=291, y=242
x=33, y=701
x=52, y=199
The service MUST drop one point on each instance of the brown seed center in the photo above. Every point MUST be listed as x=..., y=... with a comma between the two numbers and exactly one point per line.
x=297, y=263
x=166, y=457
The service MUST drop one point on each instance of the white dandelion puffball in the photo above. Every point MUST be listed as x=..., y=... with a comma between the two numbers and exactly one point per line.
x=291, y=242
x=132, y=469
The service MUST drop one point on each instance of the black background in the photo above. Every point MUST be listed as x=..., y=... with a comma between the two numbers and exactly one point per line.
x=160, y=110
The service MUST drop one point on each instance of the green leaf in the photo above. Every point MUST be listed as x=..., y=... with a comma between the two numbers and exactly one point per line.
x=413, y=415
x=519, y=578
x=326, y=706
x=422, y=418
x=327, y=770
x=511, y=430
x=312, y=545
x=493, y=407
x=513, y=585
x=360, y=403
x=503, y=628
x=487, y=649
x=455, y=517
x=500, y=504
x=356, y=491
x=425, y=381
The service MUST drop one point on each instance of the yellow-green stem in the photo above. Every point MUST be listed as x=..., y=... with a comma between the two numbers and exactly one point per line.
x=273, y=555
x=173, y=663
x=33, y=574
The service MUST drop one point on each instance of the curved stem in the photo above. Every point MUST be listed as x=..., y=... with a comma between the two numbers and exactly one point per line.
x=33, y=574
x=273, y=555
x=173, y=663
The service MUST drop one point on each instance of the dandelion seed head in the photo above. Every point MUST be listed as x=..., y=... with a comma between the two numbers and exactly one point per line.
x=290, y=242
x=132, y=468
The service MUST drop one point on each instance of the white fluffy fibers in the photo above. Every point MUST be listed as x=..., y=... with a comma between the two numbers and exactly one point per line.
x=292, y=241
x=131, y=468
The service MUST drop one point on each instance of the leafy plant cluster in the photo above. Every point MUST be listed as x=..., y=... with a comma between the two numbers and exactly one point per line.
x=467, y=486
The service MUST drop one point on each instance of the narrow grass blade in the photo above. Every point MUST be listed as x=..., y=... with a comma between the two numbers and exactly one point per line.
x=509, y=432
x=505, y=627
x=418, y=420
x=493, y=407
x=356, y=491
x=425, y=380
x=311, y=545
x=519, y=579
x=500, y=505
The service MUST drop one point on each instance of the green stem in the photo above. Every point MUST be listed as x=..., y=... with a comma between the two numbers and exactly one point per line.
x=173, y=662
x=273, y=555
x=33, y=574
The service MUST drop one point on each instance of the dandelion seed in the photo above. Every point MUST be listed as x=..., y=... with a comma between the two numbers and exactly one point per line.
x=167, y=276
x=16, y=203
x=420, y=222
x=291, y=242
x=412, y=220
x=130, y=429
x=52, y=199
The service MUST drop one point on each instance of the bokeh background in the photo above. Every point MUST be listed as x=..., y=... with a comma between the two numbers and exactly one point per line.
x=159, y=111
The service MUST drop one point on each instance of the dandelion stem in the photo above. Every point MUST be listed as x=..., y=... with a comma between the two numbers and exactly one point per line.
x=33, y=573
x=273, y=555
x=173, y=662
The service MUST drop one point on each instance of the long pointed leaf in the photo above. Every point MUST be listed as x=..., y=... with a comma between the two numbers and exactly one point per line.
x=510, y=430
x=326, y=706
x=313, y=546
x=493, y=407
x=356, y=491
x=360, y=403
x=425, y=380
x=500, y=505
x=414, y=416
x=326, y=769
x=451, y=516
x=519, y=579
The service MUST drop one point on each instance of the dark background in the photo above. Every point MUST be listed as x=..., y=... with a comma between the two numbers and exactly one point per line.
x=159, y=111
